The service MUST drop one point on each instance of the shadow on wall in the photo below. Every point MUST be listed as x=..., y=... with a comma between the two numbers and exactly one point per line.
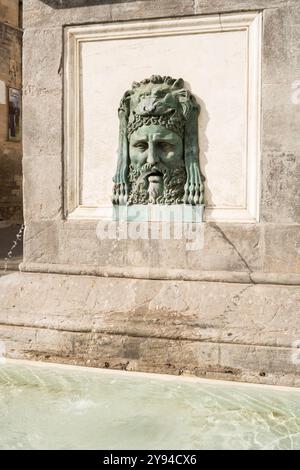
x=8, y=234
x=59, y=4
x=203, y=148
x=203, y=145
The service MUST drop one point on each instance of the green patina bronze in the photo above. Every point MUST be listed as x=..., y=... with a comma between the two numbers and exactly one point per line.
x=158, y=155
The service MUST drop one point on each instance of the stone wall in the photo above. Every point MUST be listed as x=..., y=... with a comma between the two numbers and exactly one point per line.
x=215, y=330
x=9, y=12
x=270, y=246
x=228, y=309
x=10, y=76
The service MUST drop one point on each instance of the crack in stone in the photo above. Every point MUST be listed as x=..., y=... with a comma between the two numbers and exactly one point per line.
x=39, y=232
x=275, y=314
x=220, y=231
x=235, y=299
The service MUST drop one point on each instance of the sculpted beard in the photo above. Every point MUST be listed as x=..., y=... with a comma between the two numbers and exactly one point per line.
x=167, y=187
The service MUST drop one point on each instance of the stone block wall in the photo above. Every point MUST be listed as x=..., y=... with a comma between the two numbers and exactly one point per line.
x=10, y=76
x=268, y=249
x=10, y=12
x=228, y=310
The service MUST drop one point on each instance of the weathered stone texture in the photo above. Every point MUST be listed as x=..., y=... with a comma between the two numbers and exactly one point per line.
x=47, y=77
x=208, y=6
x=10, y=152
x=10, y=53
x=52, y=12
x=234, y=331
x=265, y=248
x=280, y=115
x=225, y=248
x=9, y=12
x=237, y=331
x=38, y=13
x=41, y=241
x=47, y=200
x=11, y=182
x=244, y=248
x=42, y=126
x=282, y=249
x=280, y=193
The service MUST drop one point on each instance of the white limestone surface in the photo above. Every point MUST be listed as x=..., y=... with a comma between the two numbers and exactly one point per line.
x=214, y=68
x=220, y=65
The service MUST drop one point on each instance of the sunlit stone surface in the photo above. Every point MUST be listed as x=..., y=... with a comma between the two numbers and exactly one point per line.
x=62, y=407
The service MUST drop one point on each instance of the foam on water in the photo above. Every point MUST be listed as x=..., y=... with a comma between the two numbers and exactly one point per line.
x=55, y=407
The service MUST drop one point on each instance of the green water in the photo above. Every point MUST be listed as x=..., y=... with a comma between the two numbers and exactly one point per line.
x=55, y=407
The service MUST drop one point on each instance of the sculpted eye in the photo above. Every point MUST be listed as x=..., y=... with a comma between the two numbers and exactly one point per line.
x=165, y=146
x=160, y=93
x=142, y=146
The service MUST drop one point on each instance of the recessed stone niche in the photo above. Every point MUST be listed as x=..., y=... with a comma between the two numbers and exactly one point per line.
x=220, y=63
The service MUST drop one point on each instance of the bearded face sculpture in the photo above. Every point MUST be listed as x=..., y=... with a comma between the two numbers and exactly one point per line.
x=158, y=155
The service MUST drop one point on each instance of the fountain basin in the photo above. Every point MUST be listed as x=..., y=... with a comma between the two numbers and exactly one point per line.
x=50, y=406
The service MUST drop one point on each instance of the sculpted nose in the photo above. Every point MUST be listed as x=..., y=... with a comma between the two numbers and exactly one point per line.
x=149, y=105
x=152, y=156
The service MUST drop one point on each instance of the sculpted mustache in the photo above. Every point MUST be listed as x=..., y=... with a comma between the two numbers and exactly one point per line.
x=150, y=167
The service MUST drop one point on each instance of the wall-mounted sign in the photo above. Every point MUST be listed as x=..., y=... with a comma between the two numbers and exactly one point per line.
x=14, y=114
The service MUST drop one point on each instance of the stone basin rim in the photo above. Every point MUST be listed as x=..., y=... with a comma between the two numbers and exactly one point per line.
x=146, y=375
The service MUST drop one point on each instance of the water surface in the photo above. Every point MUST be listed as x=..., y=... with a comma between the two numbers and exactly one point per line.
x=61, y=407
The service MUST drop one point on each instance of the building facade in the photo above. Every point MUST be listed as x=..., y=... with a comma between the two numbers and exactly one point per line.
x=10, y=110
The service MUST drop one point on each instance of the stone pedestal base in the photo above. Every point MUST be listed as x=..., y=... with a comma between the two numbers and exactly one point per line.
x=231, y=331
